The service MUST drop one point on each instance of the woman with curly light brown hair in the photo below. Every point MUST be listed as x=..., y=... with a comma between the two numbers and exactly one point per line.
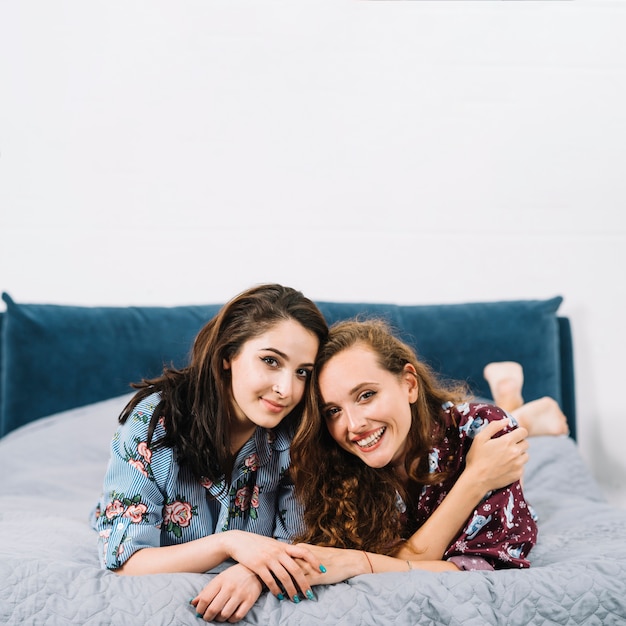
x=384, y=444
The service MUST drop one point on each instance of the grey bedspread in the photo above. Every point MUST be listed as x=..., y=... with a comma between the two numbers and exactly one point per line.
x=50, y=475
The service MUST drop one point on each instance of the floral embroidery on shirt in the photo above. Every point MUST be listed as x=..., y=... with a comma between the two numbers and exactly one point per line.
x=244, y=493
x=251, y=463
x=139, y=415
x=242, y=499
x=140, y=459
x=245, y=501
x=121, y=506
x=177, y=514
x=254, y=501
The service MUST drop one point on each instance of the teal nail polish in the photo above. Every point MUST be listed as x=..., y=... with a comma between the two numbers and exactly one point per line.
x=280, y=596
x=296, y=598
x=322, y=569
x=198, y=615
x=310, y=595
x=191, y=600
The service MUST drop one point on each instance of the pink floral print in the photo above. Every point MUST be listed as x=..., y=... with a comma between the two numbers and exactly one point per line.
x=144, y=451
x=135, y=512
x=140, y=458
x=252, y=462
x=130, y=508
x=254, y=501
x=138, y=465
x=178, y=515
x=242, y=499
x=114, y=509
x=245, y=500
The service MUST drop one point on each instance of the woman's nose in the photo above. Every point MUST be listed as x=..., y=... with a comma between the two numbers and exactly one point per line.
x=354, y=420
x=282, y=386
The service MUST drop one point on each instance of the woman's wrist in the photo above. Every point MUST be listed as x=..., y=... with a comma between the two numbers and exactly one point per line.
x=226, y=542
x=369, y=562
x=360, y=562
x=475, y=484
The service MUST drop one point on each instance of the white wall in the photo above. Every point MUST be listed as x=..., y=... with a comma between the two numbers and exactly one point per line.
x=413, y=152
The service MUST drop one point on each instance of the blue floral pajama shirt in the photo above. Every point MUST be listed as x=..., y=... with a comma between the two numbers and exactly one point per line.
x=150, y=500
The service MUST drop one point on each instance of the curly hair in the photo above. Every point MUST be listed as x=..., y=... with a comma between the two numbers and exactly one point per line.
x=347, y=503
x=196, y=400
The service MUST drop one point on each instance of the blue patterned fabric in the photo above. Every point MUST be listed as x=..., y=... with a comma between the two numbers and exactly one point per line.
x=150, y=500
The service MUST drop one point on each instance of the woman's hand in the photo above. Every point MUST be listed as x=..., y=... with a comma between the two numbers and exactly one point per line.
x=496, y=463
x=275, y=562
x=229, y=596
x=340, y=564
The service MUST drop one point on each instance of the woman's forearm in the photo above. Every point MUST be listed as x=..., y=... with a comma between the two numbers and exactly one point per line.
x=431, y=540
x=342, y=563
x=198, y=556
x=380, y=563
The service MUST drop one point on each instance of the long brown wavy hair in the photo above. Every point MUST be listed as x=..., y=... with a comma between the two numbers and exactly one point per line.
x=347, y=503
x=196, y=401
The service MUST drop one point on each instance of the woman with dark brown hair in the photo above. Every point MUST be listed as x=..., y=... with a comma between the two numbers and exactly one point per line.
x=199, y=463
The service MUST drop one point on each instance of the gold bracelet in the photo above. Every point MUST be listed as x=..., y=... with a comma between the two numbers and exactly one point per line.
x=409, y=564
x=368, y=561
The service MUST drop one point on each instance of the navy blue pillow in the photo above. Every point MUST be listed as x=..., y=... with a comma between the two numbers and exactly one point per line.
x=458, y=340
x=59, y=357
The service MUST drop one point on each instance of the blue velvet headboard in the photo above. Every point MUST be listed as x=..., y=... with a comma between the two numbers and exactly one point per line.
x=55, y=357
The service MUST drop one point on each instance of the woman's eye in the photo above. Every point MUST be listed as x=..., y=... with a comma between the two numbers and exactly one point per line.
x=270, y=360
x=332, y=412
x=303, y=373
x=366, y=395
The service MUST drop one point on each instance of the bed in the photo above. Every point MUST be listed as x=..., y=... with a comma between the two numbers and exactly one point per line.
x=64, y=375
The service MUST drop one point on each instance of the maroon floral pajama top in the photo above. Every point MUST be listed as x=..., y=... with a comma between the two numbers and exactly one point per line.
x=502, y=529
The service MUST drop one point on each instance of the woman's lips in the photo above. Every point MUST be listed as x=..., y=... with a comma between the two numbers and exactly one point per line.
x=370, y=441
x=272, y=406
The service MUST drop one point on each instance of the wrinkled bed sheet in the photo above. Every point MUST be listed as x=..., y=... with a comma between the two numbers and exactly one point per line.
x=50, y=476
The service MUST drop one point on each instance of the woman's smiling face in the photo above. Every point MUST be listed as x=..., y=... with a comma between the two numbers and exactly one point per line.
x=367, y=408
x=270, y=373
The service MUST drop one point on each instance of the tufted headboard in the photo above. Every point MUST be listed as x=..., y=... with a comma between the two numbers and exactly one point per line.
x=58, y=357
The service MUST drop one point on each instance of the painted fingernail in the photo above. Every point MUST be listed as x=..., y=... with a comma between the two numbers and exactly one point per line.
x=310, y=595
x=296, y=598
x=322, y=569
x=191, y=600
x=199, y=615
x=280, y=596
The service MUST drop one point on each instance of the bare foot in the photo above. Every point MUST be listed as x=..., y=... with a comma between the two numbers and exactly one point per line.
x=505, y=379
x=542, y=417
